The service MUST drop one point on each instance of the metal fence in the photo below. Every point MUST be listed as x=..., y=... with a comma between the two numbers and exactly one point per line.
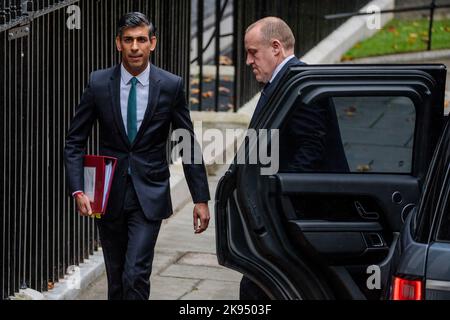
x=44, y=66
x=306, y=18
x=431, y=7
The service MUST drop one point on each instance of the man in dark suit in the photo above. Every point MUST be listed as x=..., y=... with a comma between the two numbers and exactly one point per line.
x=135, y=104
x=310, y=140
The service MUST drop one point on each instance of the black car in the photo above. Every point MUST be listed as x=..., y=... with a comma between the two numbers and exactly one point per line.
x=380, y=231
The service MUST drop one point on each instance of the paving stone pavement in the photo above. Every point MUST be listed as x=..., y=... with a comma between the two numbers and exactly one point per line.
x=185, y=265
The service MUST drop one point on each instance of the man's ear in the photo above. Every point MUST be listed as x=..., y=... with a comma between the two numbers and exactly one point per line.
x=118, y=44
x=276, y=47
x=153, y=42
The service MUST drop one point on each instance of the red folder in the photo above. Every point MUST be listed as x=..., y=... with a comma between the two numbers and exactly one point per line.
x=98, y=176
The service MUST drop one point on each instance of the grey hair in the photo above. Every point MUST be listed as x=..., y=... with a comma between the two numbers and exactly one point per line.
x=275, y=28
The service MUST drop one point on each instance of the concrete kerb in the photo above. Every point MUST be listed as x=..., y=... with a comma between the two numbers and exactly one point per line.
x=73, y=284
x=331, y=49
x=411, y=57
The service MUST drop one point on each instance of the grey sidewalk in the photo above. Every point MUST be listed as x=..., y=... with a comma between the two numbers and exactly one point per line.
x=185, y=265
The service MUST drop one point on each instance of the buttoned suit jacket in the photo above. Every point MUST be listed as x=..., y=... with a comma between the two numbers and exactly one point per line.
x=146, y=157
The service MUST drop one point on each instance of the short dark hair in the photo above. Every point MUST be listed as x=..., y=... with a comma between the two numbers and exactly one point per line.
x=134, y=19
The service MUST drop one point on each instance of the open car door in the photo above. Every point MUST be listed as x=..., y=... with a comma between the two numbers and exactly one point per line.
x=335, y=235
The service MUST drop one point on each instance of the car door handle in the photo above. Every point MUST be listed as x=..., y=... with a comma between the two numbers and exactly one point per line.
x=364, y=214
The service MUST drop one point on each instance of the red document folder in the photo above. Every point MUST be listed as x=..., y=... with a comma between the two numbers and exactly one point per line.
x=98, y=176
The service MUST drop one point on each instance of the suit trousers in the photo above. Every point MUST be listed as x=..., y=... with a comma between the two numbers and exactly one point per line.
x=128, y=244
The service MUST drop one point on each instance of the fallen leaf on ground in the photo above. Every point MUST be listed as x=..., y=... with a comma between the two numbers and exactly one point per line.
x=207, y=79
x=224, y=90
x=226, y=61
x=363, y=168
x=350, y=111
x=346, y=58
x=392, y=29
x=208, y=94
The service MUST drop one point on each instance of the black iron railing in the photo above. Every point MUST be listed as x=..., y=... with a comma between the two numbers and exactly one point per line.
x=220, y=10
x=432, y=7
x=44, y=67
x=304, y=17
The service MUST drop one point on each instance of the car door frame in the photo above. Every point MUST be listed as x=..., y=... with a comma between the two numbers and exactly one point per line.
x=303, y=275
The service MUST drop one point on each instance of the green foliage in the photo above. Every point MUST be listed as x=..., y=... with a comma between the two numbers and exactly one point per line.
x=399, y=36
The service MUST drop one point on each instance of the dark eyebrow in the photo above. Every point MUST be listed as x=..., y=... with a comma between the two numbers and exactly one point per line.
x=139, y=38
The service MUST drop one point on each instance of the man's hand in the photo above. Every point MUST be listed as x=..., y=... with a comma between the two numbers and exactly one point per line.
x=83, y=205
x=201, y=212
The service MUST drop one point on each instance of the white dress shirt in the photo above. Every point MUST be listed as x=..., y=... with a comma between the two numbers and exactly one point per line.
x=141, y=94
x=280, y=66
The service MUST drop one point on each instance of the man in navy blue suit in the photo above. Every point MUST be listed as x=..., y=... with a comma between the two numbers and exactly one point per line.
x=311, y=139
x=135, y=104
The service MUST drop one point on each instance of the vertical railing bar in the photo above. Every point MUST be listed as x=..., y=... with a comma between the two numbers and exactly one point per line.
x=44, y=173
x=430, y=29
x=200, y=17
x=12, y=216
x=52, y=186
x=29, y=160
x=17, y=233
x=19, y=139
x=58, y=202
x=65, y=237
x=235, y=55
x=72, y=219
x=217, y=55
x=5, y=231
x=31, y=136
x=81, y=79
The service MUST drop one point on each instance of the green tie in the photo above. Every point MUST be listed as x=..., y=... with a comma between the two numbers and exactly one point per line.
x=131, y=111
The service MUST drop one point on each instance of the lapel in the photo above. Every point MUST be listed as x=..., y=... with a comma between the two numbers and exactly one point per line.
x=267, y=93
x=153, y=98
x=114, y=91
x=292, y=62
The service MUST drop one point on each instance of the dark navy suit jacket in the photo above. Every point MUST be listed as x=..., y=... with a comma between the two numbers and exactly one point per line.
x=311, y=140
x=146, y=156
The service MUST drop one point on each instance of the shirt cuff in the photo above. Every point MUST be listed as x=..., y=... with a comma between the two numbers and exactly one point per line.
x=76, y=192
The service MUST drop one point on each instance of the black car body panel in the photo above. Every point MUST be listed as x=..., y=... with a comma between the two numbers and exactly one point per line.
x=313, y=235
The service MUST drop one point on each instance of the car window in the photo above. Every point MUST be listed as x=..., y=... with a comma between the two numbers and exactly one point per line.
x=371, y=134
